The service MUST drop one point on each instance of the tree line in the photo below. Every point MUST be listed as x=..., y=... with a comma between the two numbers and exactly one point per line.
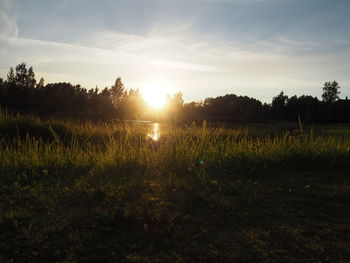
x=21, y=92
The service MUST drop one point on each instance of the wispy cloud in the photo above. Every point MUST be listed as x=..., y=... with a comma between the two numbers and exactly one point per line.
x=8, y=26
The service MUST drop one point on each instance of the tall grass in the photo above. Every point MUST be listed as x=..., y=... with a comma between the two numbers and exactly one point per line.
x=183, y=151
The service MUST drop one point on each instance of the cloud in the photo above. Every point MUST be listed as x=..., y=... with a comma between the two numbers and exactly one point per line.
x=92, y=65
x=7, y=26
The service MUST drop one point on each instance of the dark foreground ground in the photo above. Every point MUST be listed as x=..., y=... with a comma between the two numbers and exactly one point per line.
x=210, y=198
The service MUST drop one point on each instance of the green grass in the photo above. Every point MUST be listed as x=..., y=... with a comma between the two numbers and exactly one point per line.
x=87, y=192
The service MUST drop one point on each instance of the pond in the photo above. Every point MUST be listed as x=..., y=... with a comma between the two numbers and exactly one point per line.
x=154, y=133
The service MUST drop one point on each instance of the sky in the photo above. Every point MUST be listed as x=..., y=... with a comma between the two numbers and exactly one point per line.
x=202, y=48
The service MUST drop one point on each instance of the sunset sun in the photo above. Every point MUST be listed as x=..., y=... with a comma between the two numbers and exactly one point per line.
x=155, y=100
x=155, y=95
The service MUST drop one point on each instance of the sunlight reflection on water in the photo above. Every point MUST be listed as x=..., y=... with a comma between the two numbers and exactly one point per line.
x=155, y=133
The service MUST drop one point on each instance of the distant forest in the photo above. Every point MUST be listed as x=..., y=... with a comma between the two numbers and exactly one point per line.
x=21, y=92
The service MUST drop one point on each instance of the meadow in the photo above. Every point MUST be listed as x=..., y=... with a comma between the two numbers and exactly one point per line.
x=140, y=192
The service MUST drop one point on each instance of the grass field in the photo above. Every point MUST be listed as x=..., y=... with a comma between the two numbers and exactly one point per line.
x=87, y=192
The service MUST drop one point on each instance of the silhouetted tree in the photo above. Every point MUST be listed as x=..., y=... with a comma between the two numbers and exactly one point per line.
x=307, y=107
x=176, y=101
x=41, y=83
x=21, y=92
x=175, y=105
x=330, y=92
x=20, y=88
x=117, y=92
x=279, y=105
x=232, y=108
x=131, y=105
x=22, y=77
x=192, y=111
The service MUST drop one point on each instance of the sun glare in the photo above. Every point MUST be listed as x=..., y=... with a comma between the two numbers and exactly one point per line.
x=155, y=100
x=155, y=95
